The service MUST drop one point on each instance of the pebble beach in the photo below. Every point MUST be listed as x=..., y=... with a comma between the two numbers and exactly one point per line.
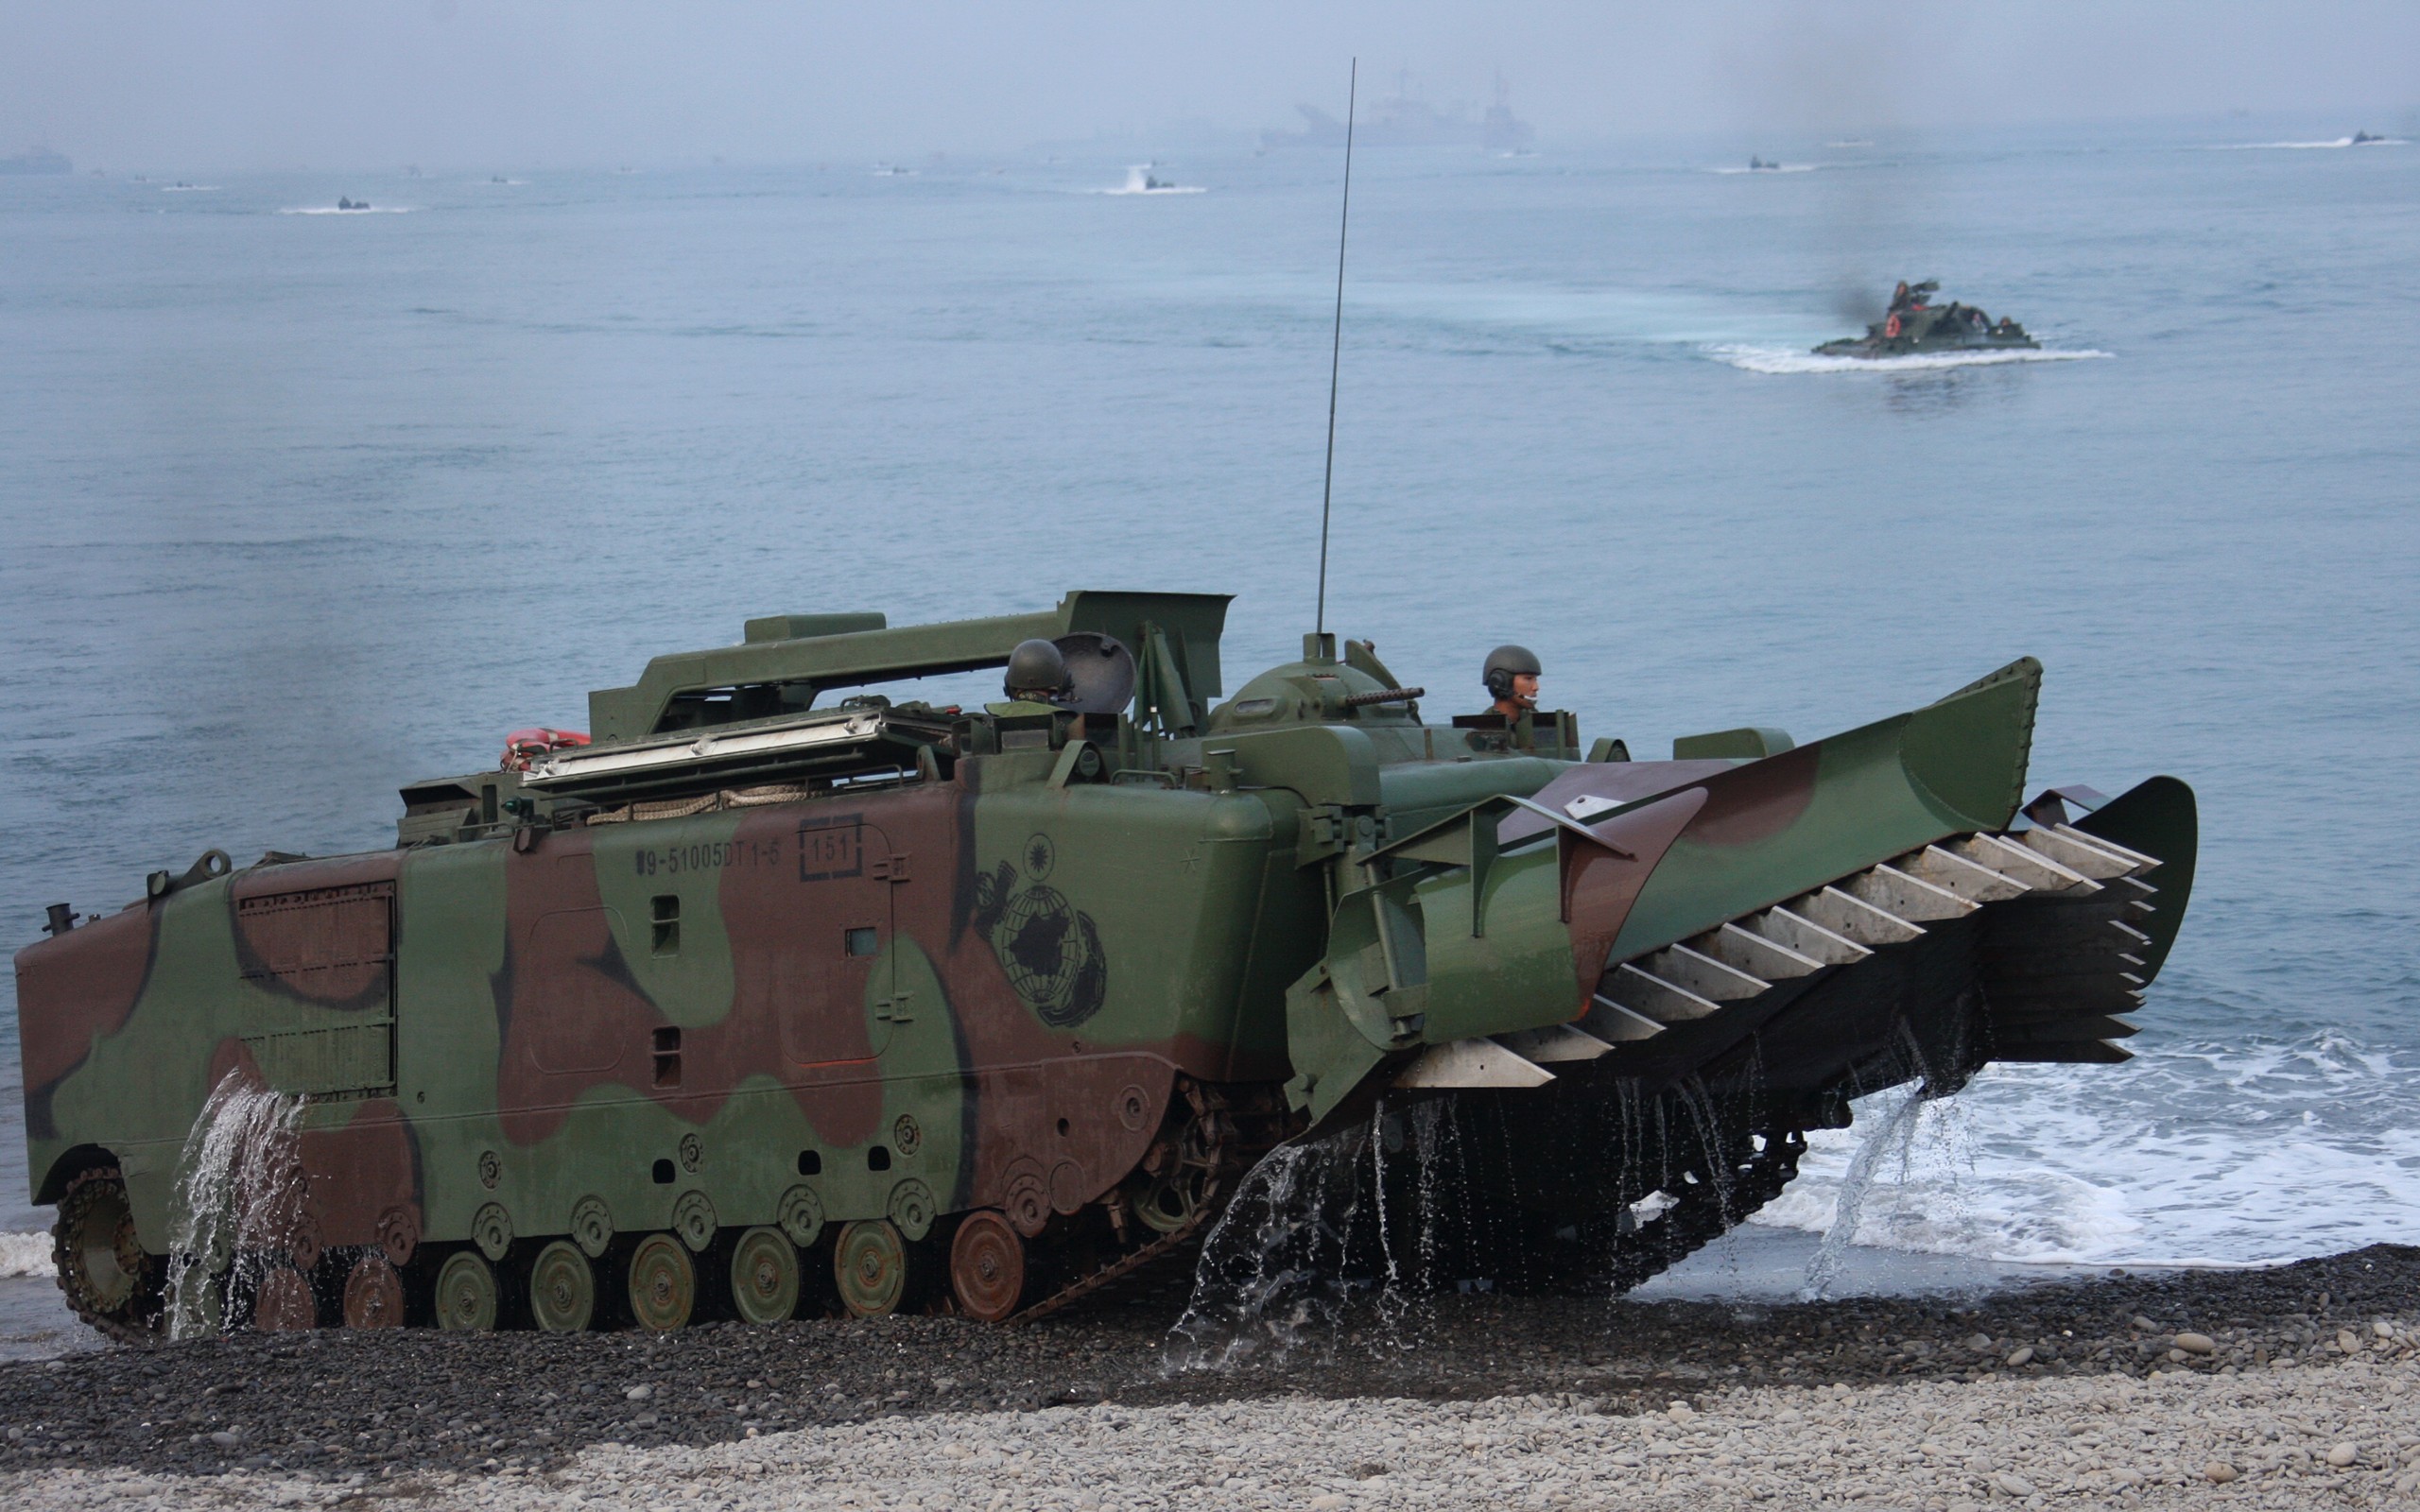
x=2288, y=1387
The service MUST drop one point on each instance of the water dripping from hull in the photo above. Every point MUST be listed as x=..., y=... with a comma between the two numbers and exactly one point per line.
x=1895, y=1132
x=1273, y=1268
x=239, y=1191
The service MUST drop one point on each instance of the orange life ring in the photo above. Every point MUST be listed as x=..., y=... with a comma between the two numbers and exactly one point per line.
x=1891, y=327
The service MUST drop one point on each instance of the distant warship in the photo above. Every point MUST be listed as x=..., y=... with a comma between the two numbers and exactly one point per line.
x=38, y=160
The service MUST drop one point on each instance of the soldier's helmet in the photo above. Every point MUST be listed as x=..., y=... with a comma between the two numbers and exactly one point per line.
x=1506, y=662
x=1037, y=671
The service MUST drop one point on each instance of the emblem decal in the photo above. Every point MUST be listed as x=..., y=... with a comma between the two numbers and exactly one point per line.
x=1050, y=950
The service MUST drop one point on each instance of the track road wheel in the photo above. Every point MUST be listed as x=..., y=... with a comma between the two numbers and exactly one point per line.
x=987, y=1267
x=663, y=1285
x=562, y=1288
x=283, y=1301
x=870, y=1264
x=764, y=1276
x=373, y=1293
x=101, y=1264
x=467, y=1298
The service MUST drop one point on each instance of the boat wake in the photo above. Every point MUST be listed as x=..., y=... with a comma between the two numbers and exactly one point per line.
x=1795, y=360
x=356, y=210
x=2302, y=146
x=1139, y=182
x=1778, y=167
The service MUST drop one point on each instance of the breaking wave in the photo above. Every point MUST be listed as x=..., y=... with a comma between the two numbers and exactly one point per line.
x=2197, y=1155
x=25, y=1255
x=1796, y=360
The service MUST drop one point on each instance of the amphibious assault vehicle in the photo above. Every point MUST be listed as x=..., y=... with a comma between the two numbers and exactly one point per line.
x=778, y=994
x=1914, y=325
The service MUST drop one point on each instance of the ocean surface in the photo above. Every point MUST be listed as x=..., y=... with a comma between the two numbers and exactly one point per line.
x=298, y=504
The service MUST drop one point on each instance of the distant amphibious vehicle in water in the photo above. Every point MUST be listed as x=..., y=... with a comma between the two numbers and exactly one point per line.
x=770, y=994
x=1914, y=325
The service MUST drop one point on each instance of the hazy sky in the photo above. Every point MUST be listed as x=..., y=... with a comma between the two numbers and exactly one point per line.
x=261, y=84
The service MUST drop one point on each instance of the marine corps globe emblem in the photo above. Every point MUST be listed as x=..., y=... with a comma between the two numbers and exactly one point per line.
x=1050, y=949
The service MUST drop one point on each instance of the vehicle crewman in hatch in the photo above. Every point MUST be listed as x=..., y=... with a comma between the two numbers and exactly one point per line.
x=1037, y=681
x=1511, y=674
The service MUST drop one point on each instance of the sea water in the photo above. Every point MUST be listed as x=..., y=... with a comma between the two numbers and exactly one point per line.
x=299, y=507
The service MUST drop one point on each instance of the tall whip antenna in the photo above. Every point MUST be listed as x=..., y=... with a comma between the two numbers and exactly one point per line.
x=1336, y=345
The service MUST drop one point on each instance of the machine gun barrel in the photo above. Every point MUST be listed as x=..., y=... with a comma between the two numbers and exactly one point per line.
x=1363, y=700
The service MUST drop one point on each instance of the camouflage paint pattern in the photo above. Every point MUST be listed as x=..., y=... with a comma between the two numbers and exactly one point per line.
x=973, y=978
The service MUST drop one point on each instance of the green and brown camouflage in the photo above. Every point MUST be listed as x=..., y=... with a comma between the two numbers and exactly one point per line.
x=991, y=1007
x=1914, y=326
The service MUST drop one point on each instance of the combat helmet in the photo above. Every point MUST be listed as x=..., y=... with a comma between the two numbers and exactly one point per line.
x=1037, y=670
x=1506, y=662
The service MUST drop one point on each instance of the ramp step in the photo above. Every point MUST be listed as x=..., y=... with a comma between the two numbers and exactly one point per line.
x=2141, y=861
x=1473, y=1063
x=1654, y=998
x=1805, y=937
x=2058, y=1031
x=2033, y=868
x=2042, y=975
x=2060, y=931
x=2070, y=1051
x=1556, y=1044
x=1703, y=975
x=1969, y=880
x=2047, y=1010
x=1896, y=892
x=1608, y=1020
x=2078, y=854
x=1753, y=955
x=2079, y=998
x=1854, y=918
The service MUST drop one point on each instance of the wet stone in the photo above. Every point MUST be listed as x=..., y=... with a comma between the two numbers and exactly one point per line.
x=419, y=1401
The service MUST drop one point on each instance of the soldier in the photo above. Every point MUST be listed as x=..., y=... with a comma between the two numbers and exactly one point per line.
x=1037, y=681
x=1511, y=674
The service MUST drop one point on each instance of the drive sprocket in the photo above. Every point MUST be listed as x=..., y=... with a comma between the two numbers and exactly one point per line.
x=108, y=1279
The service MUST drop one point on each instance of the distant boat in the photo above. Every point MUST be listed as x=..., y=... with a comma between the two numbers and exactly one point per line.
x=38, y=160
x=2363, y=139
x=1758, y=165
x=342, y=203
x=1141, y=180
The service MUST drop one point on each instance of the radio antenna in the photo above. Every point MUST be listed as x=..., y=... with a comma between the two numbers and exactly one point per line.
x=1336, y=343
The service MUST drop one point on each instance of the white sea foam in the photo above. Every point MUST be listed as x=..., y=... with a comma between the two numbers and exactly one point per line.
x=2300, y=147
x=357, y=210
x=188, y=188
x=1139, y=182
x=1778, y=167
x=2187, y=1154
x=25, y=1255
x=1797, y=360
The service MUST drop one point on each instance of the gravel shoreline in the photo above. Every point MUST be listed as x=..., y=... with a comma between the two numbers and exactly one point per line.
x=2197, y=1363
